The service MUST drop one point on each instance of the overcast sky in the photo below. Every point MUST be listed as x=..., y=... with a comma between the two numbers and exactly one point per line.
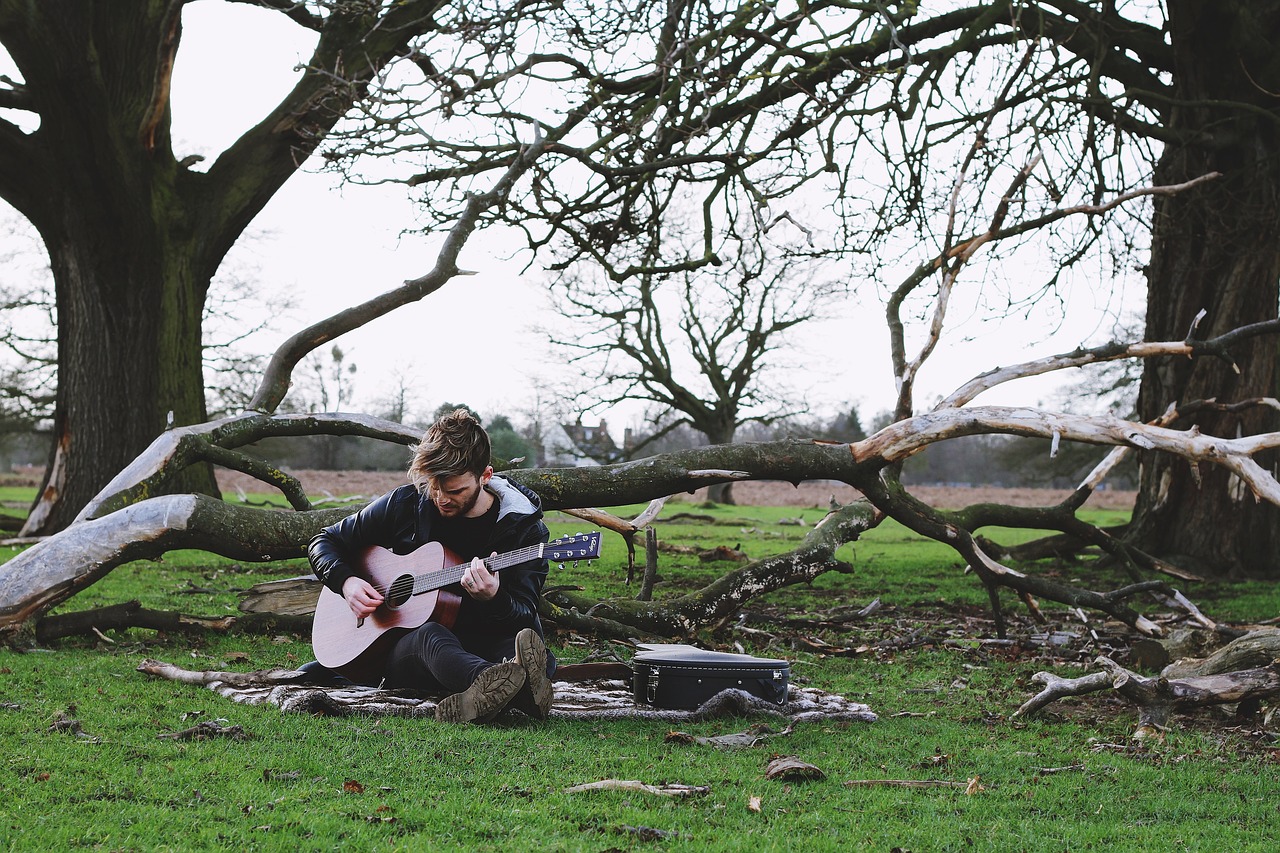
x=475, y=341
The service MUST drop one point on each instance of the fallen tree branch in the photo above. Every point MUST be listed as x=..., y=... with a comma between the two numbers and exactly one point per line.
x=723, y=598
x=1157, y=698
x=56, y=568
x=131, y=614
x=178, y=448
x=942, y=527
x=53, y=570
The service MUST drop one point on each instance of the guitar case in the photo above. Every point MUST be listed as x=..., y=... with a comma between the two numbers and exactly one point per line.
x=683, y=677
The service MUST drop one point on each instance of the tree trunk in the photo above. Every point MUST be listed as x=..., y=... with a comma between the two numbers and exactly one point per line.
x=1215, y=248
x=129, y=363
x=130, y=265
x=720, y=431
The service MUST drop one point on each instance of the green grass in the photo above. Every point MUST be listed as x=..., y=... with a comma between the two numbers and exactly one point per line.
x=1067, y=780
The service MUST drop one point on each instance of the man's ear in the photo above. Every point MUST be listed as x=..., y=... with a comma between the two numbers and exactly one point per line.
x=486, y=476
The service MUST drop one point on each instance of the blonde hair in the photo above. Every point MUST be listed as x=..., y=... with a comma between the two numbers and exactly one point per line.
x=454, y=444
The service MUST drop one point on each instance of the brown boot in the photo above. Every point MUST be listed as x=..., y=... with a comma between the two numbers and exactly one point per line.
x=534, y=699
x=487, y=695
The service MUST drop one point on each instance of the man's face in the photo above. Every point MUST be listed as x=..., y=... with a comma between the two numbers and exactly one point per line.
x=457, y=495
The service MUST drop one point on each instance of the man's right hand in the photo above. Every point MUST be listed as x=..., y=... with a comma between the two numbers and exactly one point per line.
x=361, y=597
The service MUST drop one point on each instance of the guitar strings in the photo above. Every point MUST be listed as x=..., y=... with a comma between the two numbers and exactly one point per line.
x=494, y=564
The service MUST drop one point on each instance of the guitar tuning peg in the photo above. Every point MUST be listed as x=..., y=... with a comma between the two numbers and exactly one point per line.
x=562, y=566
x=575, y=564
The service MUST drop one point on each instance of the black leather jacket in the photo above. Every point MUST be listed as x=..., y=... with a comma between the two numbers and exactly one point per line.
x=401, y=520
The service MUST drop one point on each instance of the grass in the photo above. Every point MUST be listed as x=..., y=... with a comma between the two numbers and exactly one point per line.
x=1067, y=780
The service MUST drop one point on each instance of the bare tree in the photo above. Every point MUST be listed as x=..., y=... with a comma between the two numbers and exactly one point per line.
x=638, y=112
x=702, y=345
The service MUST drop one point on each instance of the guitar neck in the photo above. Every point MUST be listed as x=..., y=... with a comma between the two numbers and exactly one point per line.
x=446, y=575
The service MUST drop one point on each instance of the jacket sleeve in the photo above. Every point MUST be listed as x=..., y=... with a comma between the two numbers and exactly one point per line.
x=331, y=551
x=516, y=604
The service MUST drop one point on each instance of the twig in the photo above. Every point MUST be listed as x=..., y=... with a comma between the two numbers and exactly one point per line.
x=912, y=783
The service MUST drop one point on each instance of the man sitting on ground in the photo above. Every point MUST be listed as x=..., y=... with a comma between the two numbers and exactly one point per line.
x=493, y=655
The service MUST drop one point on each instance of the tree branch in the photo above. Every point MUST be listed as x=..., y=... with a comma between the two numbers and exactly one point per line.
x=275, y=379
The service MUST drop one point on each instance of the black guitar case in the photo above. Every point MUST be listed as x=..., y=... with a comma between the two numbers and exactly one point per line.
x=679, y=676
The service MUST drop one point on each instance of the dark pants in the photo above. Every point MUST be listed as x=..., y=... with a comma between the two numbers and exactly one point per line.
x=432, y=658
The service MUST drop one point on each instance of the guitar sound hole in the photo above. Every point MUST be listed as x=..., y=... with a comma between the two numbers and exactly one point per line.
x=400, y=591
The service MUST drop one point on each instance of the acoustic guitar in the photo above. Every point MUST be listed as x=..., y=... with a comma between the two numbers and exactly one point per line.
x=412, y=586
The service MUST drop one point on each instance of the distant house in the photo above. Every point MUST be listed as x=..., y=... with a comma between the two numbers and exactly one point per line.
x=578, y=446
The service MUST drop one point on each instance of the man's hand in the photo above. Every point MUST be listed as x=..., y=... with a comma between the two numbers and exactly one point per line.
x=478, y=581
x=361, y=597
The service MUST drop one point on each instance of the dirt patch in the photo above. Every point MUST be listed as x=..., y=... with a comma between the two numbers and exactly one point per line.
x=319, y=483
x=764, y=493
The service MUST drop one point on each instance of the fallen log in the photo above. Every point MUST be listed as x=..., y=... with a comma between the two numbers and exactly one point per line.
x=287, y=597
x=1255, y=649
x=1159, y=697
x=131, y=614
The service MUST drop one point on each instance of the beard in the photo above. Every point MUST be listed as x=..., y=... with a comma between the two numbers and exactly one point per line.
x=455, y=508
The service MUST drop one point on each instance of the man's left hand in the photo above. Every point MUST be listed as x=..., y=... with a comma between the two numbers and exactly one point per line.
x=478, y=581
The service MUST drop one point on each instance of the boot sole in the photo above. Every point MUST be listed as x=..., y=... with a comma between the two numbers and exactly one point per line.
x=485, y=698
x=532, y=655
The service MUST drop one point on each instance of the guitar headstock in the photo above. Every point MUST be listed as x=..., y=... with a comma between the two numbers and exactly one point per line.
x=579, y=546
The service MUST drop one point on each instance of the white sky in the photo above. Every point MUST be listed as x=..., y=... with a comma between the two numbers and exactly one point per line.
x=475, y=341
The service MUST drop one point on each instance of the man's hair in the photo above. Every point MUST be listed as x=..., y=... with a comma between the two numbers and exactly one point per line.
x=454, y=444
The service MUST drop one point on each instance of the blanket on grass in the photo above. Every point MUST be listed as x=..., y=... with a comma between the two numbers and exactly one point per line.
x=602, y=699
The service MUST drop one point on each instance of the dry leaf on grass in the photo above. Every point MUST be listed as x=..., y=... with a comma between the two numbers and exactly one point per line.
x=792, y=769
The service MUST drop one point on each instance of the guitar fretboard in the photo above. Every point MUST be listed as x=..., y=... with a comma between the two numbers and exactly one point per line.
x=446, y=575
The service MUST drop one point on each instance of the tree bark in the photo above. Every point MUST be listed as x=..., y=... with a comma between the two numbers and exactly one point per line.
x=1258, y=648
x=1215, y=248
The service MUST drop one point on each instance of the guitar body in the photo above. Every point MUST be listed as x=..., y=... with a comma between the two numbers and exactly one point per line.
x=358, y=648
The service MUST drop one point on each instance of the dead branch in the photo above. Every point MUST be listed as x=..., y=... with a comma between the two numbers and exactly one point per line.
x=905, y=438
x=1217, y=347
x=178, y=448
x=131, y=614
x=723, y=598
x=943, y=527
x=906, y=783
x=1257, y=648
x=626, y=529
x=1157, y=698
x=275, y=379
x=54, y=569
x=1056, y=687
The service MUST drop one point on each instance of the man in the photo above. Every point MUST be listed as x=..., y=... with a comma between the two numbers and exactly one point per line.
x=493, y=655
